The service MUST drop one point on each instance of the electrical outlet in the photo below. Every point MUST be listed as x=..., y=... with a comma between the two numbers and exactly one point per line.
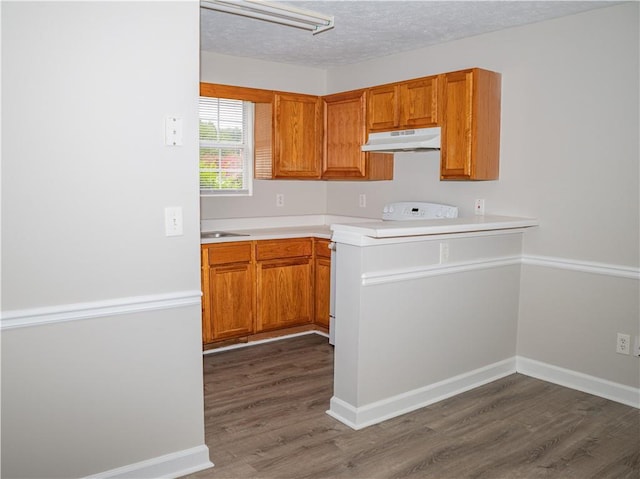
x=362, y=200
x=279, y=200
x=444, y=252
x=636, y=346
x=478, y=207
x=622, y=344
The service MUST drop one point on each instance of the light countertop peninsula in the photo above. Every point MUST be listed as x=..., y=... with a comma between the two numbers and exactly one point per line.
x=354, y=230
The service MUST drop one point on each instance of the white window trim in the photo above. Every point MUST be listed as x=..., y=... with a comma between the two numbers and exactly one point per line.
x=248, y=112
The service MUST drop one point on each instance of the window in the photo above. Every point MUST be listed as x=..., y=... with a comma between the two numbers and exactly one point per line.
x=226, y=146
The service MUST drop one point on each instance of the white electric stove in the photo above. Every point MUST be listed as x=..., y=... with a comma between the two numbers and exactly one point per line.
x=417, y=210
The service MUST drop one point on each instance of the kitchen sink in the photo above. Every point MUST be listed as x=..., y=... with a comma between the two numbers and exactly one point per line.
x=220, y=234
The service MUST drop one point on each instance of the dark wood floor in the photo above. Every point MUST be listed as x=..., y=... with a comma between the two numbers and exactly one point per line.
x=265, y=418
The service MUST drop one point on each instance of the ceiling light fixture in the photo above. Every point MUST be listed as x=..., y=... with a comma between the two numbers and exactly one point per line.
x=273, y=12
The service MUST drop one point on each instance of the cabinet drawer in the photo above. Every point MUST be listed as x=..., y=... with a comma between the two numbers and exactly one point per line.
x=284, y=248
x=225, y=253
x=322, y=249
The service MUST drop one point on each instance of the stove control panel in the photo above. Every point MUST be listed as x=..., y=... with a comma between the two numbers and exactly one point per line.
x=417, y=210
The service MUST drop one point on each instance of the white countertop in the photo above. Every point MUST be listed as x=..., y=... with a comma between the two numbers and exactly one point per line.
x=316, y=231
x=367, y=232
x=354, y=230
x=275, y=227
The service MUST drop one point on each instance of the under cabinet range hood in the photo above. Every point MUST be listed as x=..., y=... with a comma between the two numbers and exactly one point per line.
x=404, y=140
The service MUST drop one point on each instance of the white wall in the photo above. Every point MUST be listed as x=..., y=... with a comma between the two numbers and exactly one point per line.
x=569, y=139
x=570, y=319
x=101, y=354
x=300, y=197
x=247, y=72
x=569, y=156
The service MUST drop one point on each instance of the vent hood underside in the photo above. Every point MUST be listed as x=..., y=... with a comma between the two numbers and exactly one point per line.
x=404, y=140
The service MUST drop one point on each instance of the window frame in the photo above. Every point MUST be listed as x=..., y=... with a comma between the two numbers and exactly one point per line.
x=247, y=147
x=254, y=95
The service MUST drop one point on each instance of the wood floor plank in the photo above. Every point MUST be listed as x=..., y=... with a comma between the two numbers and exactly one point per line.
x=265, y=418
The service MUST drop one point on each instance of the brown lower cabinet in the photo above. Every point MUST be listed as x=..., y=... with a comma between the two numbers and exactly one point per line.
x=284, y=281
x=255, y=287
x=322, y=280
x=229, y=290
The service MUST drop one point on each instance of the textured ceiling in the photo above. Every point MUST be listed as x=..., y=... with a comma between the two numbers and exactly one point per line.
x=370, y=29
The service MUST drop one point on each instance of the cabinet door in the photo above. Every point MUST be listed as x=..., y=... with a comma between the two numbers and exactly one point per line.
x=231, y=290
x=383, y=111
x=284, y=293
x=322, y=290
x=455, y=153
x=228, y=290
x=345, y=132
x=297, y=136
x=207, y=327
x=322, y=282
x=419, y=103
x=471, y=125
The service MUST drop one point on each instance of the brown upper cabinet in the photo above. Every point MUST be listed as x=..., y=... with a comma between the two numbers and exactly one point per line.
x=289, y=145
x=287, y=130
x=465, y=104
x=297, y=132
x=383, y=108
x=345, y=131
x=470, y=102
x=409, y=104
x=301, y=136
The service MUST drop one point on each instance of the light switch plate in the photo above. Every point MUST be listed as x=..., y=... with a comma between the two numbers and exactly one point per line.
x=173, y=131
x=173, y=221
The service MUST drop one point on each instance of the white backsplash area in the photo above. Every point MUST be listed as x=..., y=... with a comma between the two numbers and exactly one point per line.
x=264, y=222
x=300, y=198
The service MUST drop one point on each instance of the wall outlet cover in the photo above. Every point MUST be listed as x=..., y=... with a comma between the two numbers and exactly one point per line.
x=622, y=343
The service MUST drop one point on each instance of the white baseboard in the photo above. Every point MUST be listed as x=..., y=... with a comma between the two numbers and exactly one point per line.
x=369, y=414
x=579, y=381
x=262, y=341
x=169, y=466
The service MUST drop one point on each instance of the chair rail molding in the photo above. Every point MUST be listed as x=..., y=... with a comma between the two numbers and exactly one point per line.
x=593, y=267
x=97, y=309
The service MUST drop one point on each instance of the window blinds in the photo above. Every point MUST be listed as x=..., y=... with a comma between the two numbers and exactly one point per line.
x=225, y=146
